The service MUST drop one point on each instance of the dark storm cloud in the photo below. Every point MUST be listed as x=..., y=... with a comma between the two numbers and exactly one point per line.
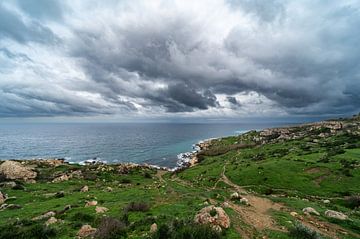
x=160, y=56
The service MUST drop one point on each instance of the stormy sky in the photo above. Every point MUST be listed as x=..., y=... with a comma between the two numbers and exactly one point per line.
x=180, y=58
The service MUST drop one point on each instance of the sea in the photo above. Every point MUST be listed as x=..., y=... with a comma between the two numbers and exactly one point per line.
x=152, y=143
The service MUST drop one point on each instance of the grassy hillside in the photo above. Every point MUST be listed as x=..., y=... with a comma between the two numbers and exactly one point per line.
x=279, y=172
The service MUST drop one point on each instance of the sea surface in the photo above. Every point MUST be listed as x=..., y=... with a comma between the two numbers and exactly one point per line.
x=152, y=143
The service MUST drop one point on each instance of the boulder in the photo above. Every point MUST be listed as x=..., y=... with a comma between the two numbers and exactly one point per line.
x=60, y=194
x=51, y=220
x=109, y=189
x=2, y=198
x=10, y=184
x=244, y=201
x=326, y=201
x=84, y=189
x=153, y=228
x=235, y=196
x=86, y=231
x=294, y=214
x=91, y=203
x=336, y=215
x=15, y=170
x=10, y=206
x=310, y=210
x=44, y=216
x=215, y=216
x=101, y=209
x=61, y=178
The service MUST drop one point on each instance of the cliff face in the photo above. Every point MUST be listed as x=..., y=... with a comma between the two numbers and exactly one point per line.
x=272, y=183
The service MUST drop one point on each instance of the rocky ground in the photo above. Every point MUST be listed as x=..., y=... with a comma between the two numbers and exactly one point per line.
x=294, y=182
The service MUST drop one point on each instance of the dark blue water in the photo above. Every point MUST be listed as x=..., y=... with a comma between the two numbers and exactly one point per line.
x=153, y=143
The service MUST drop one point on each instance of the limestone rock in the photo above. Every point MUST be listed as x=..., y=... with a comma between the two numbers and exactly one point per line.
x=244, y=201
x=326, y=201
x=153, y=228
x=51, y=220
x=215, y=216
x=235, y=196
x=101, y=209
x=45, y=216
x=294, y=214
x=10, y=206
x=2, y=198
x=310, y=210
x=336, y=215
x=61, y=178
x=91, y=203
x=15, y=170
x=84, y=189
x=86, y=231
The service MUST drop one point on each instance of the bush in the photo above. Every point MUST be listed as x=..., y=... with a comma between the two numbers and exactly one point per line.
x=302, y=232
x=83, y=217
x=352, y=202
x=2, y=177
x=125, y=180
x=147, y=175
x=28, y=230
x=111, y=228
x=137, y=207
x=185, y=230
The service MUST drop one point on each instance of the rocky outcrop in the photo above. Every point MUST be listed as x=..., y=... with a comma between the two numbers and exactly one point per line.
x=235, y=196
x=310, y=210
x=86, y=231
x=91, y=203
x=16, y=170
x=215, y=216
x=101, y=209
x=61, y=178
x=336, y=215
x=44, y=216
x=153, y=228
x=2, y=198
x=52, y=220
x=84, y=189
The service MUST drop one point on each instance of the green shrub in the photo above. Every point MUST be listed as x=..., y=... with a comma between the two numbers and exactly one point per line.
x=27, y=231
x=125, y=180
x=111, y=228
x=185, y=230
x=137, y=207
x=352, y=201
x=302, y=232
x=83, y=217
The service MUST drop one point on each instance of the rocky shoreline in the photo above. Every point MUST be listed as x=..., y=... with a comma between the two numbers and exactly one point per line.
x=189, y=159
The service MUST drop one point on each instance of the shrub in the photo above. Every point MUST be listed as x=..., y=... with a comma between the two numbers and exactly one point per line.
x=111, y=228
x=147, y=175
x=213, y=212
x=137, y=207
x=185, y=230
x=83, y=217
x=28, y=230
x=352, y=201
x=125, y=180
x=2, y=177
x=302, y=232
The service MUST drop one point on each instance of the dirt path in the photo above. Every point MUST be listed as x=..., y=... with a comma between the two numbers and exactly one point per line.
x=257, y=214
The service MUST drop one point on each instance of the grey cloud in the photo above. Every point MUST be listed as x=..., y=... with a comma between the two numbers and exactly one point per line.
x=42, y=9
x=13, y=26
x=303, y=56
